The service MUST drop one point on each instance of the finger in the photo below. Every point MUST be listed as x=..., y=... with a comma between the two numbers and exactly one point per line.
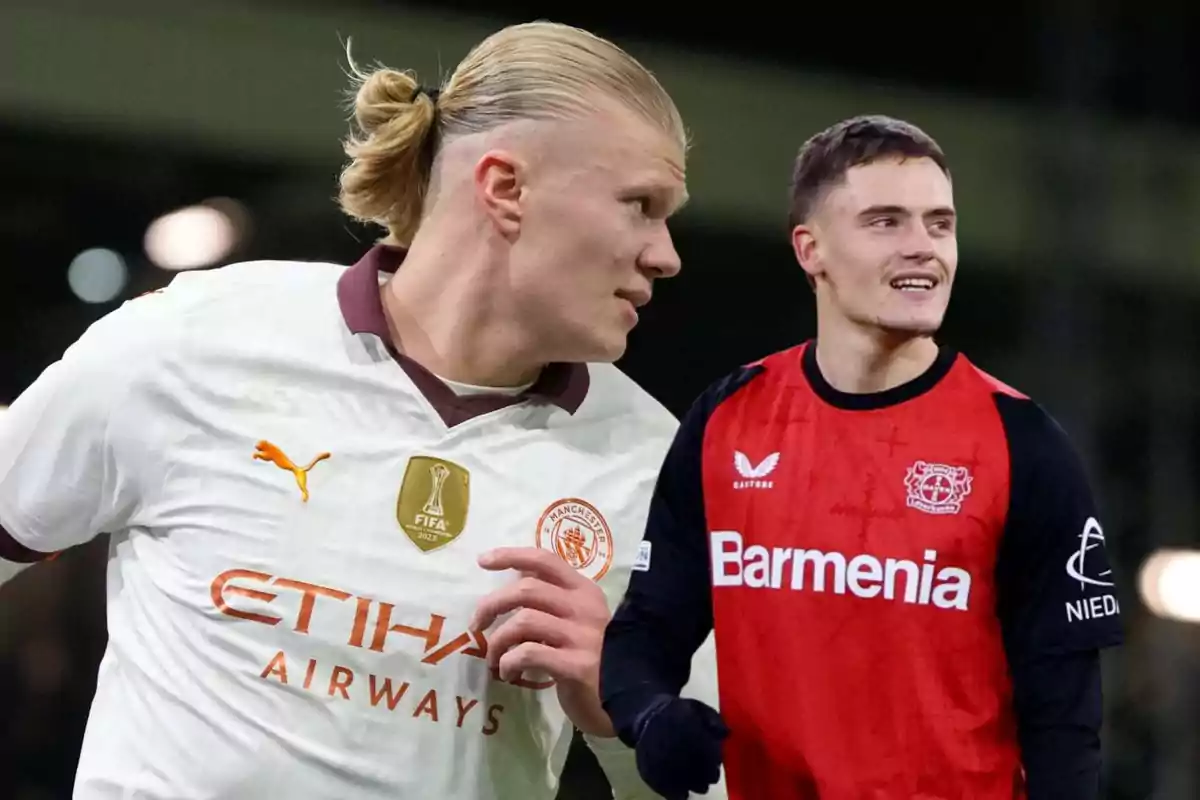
x=523, y=593
x=536, y=657
x=532, y=561
x=528, y=625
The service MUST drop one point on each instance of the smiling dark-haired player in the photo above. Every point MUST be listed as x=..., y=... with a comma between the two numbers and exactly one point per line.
x=900, y=556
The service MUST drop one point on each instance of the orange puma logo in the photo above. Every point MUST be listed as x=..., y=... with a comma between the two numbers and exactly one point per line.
x=265, y=451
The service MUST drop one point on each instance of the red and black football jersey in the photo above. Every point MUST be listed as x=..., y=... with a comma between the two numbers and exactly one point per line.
x=908, y=588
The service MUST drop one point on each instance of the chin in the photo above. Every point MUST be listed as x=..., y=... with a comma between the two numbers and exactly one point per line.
x=911, y=326
x=913, y=322
x=597, y=349
x=609, y=352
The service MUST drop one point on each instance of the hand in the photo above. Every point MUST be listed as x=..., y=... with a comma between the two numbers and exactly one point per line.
x=558, y=628
x=679, y=748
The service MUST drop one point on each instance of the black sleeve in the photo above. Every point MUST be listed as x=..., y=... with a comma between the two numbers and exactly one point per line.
x=13, y=551
x=666, y=613
x=1057, y=605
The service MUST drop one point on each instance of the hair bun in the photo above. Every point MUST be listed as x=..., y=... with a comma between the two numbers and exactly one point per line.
x=388, y=174
x=382, y=96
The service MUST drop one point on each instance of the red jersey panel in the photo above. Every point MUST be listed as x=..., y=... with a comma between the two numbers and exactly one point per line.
x=909, y=591
x=860, y=547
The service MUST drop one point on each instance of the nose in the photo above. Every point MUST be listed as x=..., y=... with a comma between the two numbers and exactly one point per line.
x=660, y=259
x=918, y=245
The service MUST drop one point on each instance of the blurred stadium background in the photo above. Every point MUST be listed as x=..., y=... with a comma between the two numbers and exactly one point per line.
x=142, y=137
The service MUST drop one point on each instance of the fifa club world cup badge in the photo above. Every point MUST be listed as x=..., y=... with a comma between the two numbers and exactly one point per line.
x=433, y=501
x=937, y=488
x=578, y=532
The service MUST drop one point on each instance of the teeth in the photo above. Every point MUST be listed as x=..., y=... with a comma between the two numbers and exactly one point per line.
x=913, y=284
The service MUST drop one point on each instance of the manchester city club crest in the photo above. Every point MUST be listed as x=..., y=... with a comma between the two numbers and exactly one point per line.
x=579, y=534
x=937, y=488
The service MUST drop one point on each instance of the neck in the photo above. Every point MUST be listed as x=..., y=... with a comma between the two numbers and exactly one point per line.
x=445, y=313
x=860, y=360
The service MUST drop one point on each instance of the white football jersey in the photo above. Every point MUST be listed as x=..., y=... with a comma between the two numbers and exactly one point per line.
x=296, y=514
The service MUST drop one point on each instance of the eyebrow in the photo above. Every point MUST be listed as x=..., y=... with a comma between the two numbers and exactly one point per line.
x=665, y=193
x=944, y=212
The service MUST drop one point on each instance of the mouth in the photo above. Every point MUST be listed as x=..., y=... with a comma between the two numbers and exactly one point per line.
x=635, y=298
x=914, y=283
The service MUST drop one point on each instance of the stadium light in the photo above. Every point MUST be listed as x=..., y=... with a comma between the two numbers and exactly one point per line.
x=97, y=275
x=195, y=237
x=1169, y=583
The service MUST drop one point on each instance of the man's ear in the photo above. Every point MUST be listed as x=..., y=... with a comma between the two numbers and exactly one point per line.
x=499, y=184
x=806, y=248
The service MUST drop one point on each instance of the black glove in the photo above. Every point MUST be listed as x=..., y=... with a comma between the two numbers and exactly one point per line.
x=679, y=748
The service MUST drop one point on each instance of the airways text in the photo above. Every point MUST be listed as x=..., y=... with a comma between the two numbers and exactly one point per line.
x=383, y=692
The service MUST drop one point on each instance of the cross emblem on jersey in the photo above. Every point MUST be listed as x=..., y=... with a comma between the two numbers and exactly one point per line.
x=265, y=451
x=972, y=463
x=866, y=511
x=893, y=441
x=798, y=409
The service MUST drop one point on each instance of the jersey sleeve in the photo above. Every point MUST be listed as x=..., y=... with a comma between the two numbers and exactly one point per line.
x=666, y=613
x=619, y=761
x=66, y=474
x=1055, y=586
x=1057, y=605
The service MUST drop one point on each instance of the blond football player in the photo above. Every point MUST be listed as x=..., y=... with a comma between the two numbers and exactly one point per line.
x=368, y=524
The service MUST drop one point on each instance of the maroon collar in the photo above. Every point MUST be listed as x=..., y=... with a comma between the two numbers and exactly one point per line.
x=564, y=385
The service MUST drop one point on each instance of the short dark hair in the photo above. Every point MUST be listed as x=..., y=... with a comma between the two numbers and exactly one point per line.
x=825, y=158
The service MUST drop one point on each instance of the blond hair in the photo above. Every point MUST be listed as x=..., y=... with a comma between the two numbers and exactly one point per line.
x=533, y=71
